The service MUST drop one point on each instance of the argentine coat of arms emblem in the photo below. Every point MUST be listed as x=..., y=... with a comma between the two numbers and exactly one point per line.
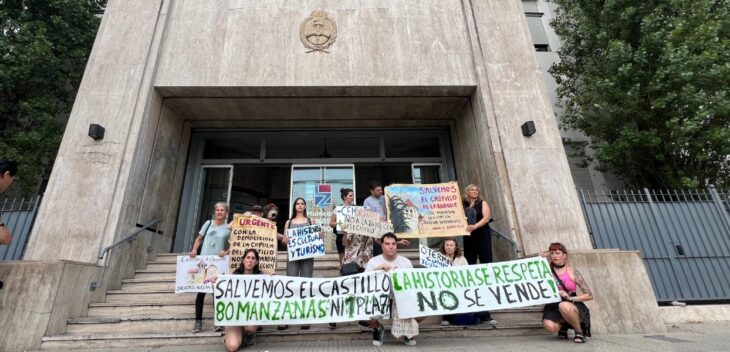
x=318, y=32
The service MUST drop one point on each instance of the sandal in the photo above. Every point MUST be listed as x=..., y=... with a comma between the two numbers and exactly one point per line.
x=579, y=338
x=563, y=332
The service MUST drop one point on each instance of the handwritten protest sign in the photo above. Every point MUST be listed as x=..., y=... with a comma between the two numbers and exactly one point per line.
x=341, y=211
x=272, y=300
x=431, y=258
x=321, y=216
x=251, y=231
x=193, y=274
x=305, y=242
x=425, y=210
x=473, y=288
x=365, y=223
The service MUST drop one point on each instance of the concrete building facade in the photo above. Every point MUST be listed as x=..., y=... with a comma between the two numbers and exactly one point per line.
x=163, y=73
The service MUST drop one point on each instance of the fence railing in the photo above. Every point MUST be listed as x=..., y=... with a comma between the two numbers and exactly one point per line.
x=683, y=237
x=18, y=216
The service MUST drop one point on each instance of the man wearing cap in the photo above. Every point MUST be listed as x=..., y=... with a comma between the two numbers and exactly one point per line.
x=8, y=169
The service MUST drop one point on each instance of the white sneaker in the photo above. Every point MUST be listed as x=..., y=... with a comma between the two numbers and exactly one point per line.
x=445, y=323
x=409, y=342
x=490, y=322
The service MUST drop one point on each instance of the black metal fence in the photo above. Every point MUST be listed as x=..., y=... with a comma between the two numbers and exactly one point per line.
x=18, y=215
x=683, y=237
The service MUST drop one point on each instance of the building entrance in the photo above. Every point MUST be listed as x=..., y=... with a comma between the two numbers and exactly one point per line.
x=250, y=168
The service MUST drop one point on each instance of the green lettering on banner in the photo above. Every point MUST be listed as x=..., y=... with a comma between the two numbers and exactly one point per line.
x=396, y=285
x=497, y=274
x=322, y=307
x=545, y=270
x=220, y=308
x=406, y=282
x=458, y=290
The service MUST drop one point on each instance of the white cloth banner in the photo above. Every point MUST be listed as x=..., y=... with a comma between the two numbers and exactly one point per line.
x=430, y=258
x=273, y=300
x=193, y=274
x=305, y=242
x=473, y=288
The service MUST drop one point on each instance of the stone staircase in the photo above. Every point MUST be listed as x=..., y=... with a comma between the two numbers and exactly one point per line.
x=146, y=312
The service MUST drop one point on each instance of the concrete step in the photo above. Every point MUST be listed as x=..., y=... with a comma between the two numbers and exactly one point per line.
x=316, y=333
x=143, y=325
x=169, y=274
x=280, y=257
x=186, y=309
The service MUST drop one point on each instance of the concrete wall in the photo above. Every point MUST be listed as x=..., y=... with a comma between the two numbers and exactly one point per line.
x=695, y=313
x=256, y=43
x=623, y=300
x=38, y=297
x=533, y=172
x=145, y=53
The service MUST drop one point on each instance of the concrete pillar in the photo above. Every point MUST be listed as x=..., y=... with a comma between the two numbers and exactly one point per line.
x=85, y=207
x=532, y=180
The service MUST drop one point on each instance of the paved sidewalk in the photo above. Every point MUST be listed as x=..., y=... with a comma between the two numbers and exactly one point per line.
x=686, y=338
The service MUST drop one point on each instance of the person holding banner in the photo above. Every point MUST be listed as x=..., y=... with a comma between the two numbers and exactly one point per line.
x=234, y=336
x=348, y=200
x=214, y=237
x=303, y=267
x=387, y=261
x=450, y=249
x=571, y=312
x=478, y=245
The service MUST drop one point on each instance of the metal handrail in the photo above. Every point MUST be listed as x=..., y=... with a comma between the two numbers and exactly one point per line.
x=131, y=237
x=515, y=246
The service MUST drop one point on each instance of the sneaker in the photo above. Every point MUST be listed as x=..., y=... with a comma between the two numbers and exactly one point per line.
x=219, y=329
x=409, y=341
x=198, y=326
x=445, y=323
x=489, y=321
x=378, y=335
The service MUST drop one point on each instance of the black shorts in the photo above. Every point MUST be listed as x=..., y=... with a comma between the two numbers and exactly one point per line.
x=552, y=312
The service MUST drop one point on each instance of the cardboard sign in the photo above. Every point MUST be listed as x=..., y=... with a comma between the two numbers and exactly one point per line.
x=473, y=288
x=365, y=223
x=193, y=274
x=251, y=231
x=425, y=210
x=431, y=258
x=273, y=300
x=305, y=242
x=341, y=211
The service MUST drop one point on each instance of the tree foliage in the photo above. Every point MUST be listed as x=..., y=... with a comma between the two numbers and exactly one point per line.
x=44, y=45
x=648, y=81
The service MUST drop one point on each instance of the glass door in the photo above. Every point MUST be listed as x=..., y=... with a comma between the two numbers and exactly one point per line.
x=427, y=173
x=215, y=187
x=320, y=185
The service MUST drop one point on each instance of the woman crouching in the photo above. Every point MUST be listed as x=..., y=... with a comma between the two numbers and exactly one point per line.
x=571, y=312
x=236, y=336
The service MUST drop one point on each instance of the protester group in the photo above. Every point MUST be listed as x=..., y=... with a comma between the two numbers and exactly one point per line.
x=376, y=284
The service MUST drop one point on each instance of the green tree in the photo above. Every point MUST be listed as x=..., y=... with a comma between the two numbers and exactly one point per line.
x=647, y=81
x=44, y=45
